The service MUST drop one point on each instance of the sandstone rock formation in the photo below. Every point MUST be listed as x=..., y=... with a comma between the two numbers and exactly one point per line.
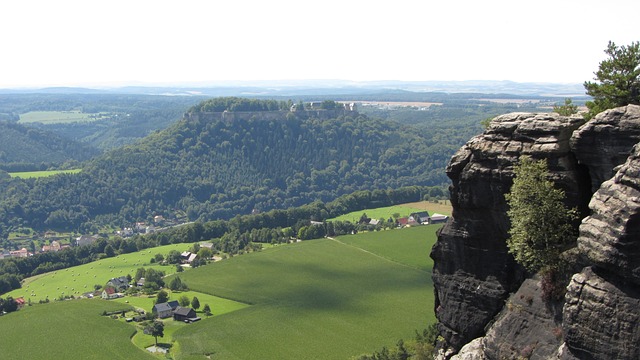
x=474, y=276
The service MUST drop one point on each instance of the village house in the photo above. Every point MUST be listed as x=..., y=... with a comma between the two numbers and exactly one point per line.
x=438, y=218
x=20, y=302
x=421, y=217
x=163, y=310
x=185, y=314
x=120, y=283
x=141, y=227
x=109, y=293
x=54, y=246
x=125, y=232
x=208, y=245
x=20, y=253
x=174, y=304
x=86, y=240
x=406, y=222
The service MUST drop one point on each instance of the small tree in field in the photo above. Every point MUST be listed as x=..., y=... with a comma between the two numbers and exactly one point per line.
x=184, y=301
x=207, y=309
x=195, y=303
x=541, y=225
x=155, y=329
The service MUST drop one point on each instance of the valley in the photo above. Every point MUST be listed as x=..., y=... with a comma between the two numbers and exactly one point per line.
x=333, y=296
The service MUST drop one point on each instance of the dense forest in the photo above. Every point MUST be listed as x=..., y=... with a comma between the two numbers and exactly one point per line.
x=217, y=169
x=21, y=144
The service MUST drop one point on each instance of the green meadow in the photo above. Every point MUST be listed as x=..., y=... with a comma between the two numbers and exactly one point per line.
x=57, y=117
x=44, y=173
x=80, y=279
x=67, y=330
x=403, y=210
x=318, y=299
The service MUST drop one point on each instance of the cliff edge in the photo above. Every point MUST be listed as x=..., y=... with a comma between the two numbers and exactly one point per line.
x=488, y=307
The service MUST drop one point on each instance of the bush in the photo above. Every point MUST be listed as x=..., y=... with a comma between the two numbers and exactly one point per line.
x=541, y=226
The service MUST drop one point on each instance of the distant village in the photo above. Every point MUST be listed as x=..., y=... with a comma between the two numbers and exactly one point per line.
x=57, y=241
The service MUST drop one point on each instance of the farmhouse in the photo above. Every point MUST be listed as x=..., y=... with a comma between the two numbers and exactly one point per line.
x=420, y=217
x=185, y=314
x=406, y=221
x=86, y=240
x=120, y=283
x=20, y=253
x=163, y=310
x=109, y=293
x=438, y=218
x=20, y=302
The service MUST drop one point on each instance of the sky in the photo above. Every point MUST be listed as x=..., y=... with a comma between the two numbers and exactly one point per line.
x=139, y=42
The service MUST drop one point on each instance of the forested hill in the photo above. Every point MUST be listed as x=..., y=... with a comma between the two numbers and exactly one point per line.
x=218, y=169
x=21, y=144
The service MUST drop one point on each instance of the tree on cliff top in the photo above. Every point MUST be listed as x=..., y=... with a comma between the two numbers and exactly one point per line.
x=618, y=79
x=567, y=109
x=541, y=225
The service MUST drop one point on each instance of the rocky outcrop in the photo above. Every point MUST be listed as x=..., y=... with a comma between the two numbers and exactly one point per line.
x=473, y=273
x=525, y=313
x=601, y=316
x=604, y=142
x=610, y=237
x=474, y=276
x=601, y=313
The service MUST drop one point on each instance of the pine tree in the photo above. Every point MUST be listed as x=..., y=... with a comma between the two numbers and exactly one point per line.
x=618, y=79
x=207, y=310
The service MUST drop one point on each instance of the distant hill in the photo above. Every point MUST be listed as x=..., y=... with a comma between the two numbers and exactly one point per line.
x=324, y=87
x=217, y=169
x=22, y=144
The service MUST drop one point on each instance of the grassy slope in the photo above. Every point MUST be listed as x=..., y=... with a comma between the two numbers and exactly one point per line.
x=81, y=279
x=39, y=174
x=321, y=299
x=54, y=117
x=403, y=210
x=67, y=330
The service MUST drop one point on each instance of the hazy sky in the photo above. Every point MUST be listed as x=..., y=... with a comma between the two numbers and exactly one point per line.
x=69, y=42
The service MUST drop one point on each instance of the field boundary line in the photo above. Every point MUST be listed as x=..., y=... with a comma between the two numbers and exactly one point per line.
x=378, y=256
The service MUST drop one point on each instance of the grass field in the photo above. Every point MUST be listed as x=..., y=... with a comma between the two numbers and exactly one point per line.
x=56, y=117
x=319, y=299
x=403, y=210
x=80, y=279
x=67, y=330
x=39, y=174
x=218, y=307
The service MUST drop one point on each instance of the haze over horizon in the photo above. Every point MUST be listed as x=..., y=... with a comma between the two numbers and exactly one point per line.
x=75, y=43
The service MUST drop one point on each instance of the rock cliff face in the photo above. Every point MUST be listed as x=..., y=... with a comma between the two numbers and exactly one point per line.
x=482, y=293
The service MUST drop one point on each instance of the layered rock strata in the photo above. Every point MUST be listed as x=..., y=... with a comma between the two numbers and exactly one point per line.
x=473, y=273
x=474, y=276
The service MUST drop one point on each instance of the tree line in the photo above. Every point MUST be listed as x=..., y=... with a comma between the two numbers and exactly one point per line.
x=230, y=236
